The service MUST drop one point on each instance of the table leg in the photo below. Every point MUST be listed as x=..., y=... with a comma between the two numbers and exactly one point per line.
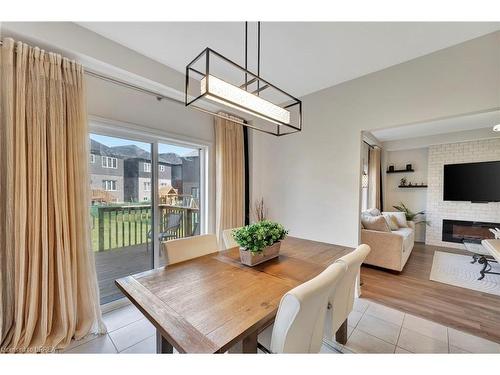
x=474, y=258
x=250, y=343
x=484, y=262
x=162, y=345
x=341, y=334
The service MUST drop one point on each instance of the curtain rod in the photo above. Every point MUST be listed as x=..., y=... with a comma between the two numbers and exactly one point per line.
x=370, y=145
x=160, y=97
x=126, y=84
x=157, y=95
x=131, y=86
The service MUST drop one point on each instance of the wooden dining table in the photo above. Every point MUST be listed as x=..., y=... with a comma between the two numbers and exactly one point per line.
x=212, y=303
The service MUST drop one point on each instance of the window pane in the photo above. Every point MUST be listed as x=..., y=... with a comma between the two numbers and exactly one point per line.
x=179, y=175
x=120, y=211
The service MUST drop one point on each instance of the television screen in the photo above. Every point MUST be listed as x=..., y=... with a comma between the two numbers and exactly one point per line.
x=475, y=182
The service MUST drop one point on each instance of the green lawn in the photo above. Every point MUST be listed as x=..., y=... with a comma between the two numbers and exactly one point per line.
x=120, y=228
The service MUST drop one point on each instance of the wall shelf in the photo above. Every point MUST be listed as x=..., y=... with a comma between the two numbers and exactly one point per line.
x=412, y=186
x=401, y=171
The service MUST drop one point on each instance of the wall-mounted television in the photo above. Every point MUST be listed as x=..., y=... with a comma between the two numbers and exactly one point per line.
x=475, y=182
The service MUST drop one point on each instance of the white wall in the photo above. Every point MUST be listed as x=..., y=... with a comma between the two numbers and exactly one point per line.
x=414, y=198
x=437, y=209
x=311, y=180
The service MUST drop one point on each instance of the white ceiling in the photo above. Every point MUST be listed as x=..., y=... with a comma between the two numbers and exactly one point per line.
x=456, y=124
x=300, y=57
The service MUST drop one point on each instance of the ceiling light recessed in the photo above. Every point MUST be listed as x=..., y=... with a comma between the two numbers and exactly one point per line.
x=496, y=128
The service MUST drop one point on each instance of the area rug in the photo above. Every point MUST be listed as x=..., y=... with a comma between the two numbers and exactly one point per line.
x=457, y=270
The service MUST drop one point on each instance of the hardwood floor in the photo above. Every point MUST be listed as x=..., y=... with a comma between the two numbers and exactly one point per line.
x=411, y=291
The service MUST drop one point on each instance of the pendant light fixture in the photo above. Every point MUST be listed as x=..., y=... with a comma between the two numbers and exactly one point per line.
x=212, y=80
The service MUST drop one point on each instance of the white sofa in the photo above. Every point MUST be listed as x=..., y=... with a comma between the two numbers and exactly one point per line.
x=389, y=250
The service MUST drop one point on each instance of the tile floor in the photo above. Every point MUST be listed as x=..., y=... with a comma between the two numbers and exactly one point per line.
x=372, y=328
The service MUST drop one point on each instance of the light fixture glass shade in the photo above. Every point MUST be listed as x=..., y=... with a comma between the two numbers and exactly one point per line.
x=234, y=97
x=224, y=89
x=496, y=128
x=364, y=180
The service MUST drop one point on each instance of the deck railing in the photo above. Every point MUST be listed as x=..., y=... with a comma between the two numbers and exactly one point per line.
x=119, y=226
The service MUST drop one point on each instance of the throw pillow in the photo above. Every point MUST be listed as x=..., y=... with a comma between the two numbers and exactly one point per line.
x=377, y=223
x=391, y=221
x=374, y=211
x=401, y=217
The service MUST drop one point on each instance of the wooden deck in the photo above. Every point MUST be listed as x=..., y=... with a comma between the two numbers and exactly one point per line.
x=117, y=263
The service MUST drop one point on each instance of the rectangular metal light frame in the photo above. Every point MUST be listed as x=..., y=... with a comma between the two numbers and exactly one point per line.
x=206, y=53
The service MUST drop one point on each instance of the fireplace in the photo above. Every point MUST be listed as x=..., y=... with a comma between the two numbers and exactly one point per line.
x=459, y=230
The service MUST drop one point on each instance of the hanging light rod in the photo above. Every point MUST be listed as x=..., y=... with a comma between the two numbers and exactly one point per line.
x=281, y=112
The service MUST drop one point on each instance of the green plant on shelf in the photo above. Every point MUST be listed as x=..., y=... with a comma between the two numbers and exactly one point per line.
x=416, y=217
x=256, y=237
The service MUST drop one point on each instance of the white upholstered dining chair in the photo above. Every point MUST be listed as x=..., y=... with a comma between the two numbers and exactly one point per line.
x=299, y=323
x=227, y=236
x=341, y=301
x=187, y=248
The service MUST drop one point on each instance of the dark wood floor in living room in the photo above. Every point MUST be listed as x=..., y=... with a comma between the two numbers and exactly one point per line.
x=412, y=291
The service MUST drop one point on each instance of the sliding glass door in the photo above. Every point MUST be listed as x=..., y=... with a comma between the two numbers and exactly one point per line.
x=123, y=185
x=179, y=184
x=120, y=179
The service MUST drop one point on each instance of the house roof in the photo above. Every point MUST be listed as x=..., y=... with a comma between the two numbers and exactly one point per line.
x=170, y=158
x=134, y=152
x=98, y=148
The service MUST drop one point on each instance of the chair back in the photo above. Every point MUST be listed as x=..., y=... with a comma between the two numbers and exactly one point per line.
x=342, y=298
x=187, y=248
x=173, y=221
x=227, y=236
x=299, y=323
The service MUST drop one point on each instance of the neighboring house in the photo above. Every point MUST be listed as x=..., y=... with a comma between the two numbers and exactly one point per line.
x=137, y=179
x=174, y=163
x=124, y=172
x=137, y=174
x=191, y=176
x=106, y=171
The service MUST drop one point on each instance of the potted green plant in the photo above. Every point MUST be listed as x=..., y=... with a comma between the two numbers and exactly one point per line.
x=259, y=242
x=416, y=217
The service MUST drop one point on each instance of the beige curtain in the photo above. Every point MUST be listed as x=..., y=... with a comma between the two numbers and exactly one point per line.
x=374, y=193
x=230, y=175
x=49, y=287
